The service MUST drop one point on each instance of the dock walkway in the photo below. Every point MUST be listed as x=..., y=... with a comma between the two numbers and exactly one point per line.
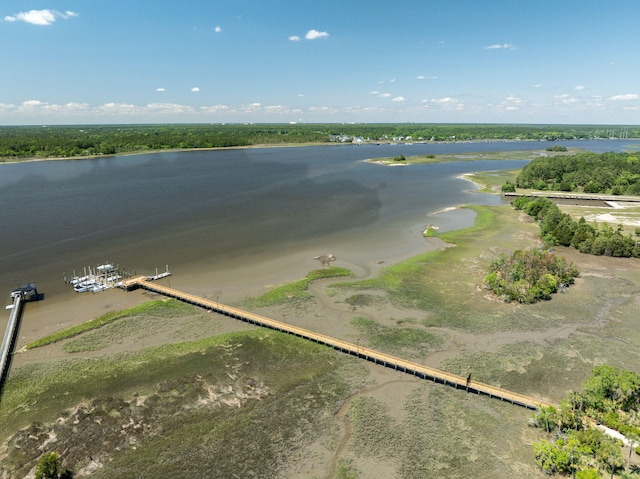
x=415, y=369
x=10, y=334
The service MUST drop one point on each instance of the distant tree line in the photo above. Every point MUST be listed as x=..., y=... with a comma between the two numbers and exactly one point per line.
x=612, y=397
x=71, y=141
x=557, y=228
x=529, y=276
x=607, y=173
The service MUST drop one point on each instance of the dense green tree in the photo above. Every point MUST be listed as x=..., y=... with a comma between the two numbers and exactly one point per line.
x=612, y=173
x=551, y=458
x=618, y=385
x=557, y=228
x=508, y=187
x=50, y=467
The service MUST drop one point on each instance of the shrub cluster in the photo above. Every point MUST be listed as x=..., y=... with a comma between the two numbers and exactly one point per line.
x=529, y=276
x=557, y=228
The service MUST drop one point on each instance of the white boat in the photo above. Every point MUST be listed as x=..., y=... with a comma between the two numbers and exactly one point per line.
x=83, y=287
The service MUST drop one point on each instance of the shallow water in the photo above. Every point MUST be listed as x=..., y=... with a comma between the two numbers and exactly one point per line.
x=226, y=217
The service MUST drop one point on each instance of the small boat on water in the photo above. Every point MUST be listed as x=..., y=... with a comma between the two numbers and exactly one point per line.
x=83, y=287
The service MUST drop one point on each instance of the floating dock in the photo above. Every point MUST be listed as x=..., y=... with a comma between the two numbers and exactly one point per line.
x=414, y=369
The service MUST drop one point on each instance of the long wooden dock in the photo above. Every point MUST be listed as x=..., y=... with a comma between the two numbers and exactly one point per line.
x=408, y=367
x=10, y=334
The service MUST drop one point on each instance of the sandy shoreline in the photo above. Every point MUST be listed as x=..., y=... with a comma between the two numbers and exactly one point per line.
x=228, y=284
x=233, y=280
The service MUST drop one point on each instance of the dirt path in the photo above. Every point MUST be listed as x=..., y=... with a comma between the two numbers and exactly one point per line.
x=347, y=427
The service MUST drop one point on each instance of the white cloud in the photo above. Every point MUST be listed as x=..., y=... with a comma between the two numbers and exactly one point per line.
x=167, y=108
x=374, y=92
x=384, y=95
x=118, y=109
x=444, y=100
x=315, y=34
x=29, y=103
x=399, y=98
x=566, y=99
x=161, y=89
x=300, y=95
x=218, y=29
x=627, y=97
x=579, y=87
x=393, y=80
x=538, y=85
x=499, y=46
x=215, y=108
x=420, y=77
x=514, y=99
x=294, y=38
x=195, y=89
x=40, y=17
x=7, y=107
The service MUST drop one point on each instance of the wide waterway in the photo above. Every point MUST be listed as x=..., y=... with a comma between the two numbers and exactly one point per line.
x=228, y=217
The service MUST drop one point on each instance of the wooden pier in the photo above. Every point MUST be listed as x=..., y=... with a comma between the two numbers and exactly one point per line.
x=10, y=334
x=401, y=365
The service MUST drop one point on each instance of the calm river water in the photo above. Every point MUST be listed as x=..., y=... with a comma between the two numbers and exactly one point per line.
x=223, y=215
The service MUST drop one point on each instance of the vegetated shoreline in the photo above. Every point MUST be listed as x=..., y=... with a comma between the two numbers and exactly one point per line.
x=9, y=160
x=470, y=156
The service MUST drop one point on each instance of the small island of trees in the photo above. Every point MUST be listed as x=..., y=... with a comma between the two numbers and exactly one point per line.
x=529, y=276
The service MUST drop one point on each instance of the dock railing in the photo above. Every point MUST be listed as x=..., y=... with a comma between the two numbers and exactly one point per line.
x=399, y=364
x=10, y=334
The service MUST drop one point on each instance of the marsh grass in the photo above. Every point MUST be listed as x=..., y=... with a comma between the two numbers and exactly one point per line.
x=361, y=300
x=492, y=181
x=160, y=308
x=305, y=380
x=405, y=341
x=448, y=283
x=443, y=433
x=295, y=291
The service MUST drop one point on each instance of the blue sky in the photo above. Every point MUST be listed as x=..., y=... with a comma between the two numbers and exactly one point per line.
x=464, y=61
